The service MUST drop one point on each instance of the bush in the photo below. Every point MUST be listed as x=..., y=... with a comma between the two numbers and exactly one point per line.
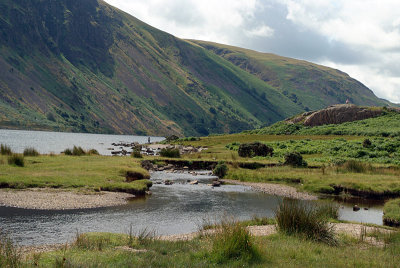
x=220, y=170
x=136, y=154
x=68, y=151
x=232, y=241
x=31, y=152
x=78, y=151
x=168, y=152
x=255, y=149
x=295, y=159
x=367, y=143
x=17, y=160
x=305, y=219
x=5, y=150
x=93, y=152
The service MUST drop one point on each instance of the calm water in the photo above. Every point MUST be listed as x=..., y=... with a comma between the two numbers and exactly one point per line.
x=56, y=142
x=175, y=209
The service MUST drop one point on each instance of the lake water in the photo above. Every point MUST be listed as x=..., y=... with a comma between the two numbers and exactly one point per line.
x=55, y=142
x=176, y=209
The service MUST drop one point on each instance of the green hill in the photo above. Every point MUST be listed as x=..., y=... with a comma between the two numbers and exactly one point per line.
x=83, y=65
x=387, y=124
x=309, y=85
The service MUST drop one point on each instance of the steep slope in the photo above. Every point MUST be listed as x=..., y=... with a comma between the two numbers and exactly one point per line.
x=82, y=65
x=309, y=85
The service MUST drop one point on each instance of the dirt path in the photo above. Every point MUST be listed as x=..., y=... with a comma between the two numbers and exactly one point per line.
x=52, y=199
x=274, y=189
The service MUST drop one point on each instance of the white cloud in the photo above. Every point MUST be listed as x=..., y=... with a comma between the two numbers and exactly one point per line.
x=261, y=31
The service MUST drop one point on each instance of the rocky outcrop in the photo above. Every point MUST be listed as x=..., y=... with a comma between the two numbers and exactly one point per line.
x=336, y=114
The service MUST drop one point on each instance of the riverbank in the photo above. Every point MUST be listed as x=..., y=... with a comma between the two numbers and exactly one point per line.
x=359, y=245
x=274, y=189
x=54, y=199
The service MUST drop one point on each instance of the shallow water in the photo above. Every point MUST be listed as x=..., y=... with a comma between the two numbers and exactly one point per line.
x=55, y=142
x=179, y=208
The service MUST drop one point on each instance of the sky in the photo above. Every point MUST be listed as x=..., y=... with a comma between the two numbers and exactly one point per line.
x=359, y=37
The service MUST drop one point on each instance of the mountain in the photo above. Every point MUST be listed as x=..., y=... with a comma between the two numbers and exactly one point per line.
x=83, y=65
x=309, y=85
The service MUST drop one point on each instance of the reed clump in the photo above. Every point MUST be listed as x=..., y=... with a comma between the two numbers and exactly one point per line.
x=31, y=152
x=16, y=160
x=5, y=149
x=305, y=219
x=9, y=254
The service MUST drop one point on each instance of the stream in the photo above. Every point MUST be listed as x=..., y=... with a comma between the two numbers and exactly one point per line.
x=171, y=209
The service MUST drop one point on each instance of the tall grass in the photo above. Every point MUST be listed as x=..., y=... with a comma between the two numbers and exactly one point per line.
x=79, y=151
x=232, y=241
x=9, y=254
x=305, y=219
x=16, y=159
x=31, y=152
x=5, y=150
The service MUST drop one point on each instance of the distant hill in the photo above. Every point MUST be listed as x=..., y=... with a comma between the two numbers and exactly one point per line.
x=340, y=120
x=309, y=85
x=83, y=65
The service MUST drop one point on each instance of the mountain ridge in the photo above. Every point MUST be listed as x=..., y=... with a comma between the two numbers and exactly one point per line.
x=86, y=66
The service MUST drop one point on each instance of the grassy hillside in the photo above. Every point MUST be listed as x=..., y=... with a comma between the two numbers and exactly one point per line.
x=86, y=66
x=82, y=65
x=386, y=125
x=309, y=85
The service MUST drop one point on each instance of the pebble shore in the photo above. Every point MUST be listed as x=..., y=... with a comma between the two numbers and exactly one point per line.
x=52, y=199
x=275, y=189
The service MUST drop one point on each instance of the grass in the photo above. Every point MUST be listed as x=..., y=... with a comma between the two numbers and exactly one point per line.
x=9, y=254
x=233, y=242
x=16, y=160
x=295, y=217
x=278, y=250
x=30, y=152
x=5, y=149
x=78, y=151
x=391, y=212
x=85, y=173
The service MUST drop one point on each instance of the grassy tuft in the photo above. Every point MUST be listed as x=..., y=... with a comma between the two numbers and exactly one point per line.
x=16, y=160
x=391, y=212
x=9, y=255
x=305, y=219
x=5, y=150
x=173, y=153
x=232, y=241
x=31, y=152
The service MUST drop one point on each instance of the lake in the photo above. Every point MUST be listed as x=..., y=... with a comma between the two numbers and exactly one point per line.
x=55, y=142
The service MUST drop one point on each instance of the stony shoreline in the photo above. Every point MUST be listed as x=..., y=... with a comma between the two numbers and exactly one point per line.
x=274, y=189
x=54, y=199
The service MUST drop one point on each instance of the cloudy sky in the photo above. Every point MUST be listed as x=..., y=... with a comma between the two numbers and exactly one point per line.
x=360, y=37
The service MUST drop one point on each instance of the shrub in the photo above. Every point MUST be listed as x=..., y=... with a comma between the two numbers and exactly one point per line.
x=255, y=149
x=232, y=241
x=305, y=219
x=68, y=151
x=93, y=152
x=31, y=152
x=367, y=143
x=5, y=150
x=78, y=151
x=9, y=255
x=220, y=170
x=295, y=159
x=137, y=154
x=17, y=160
x=169, y=152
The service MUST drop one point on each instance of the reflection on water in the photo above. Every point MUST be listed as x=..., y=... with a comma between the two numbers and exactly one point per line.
x=56, y=142
x=178, y=208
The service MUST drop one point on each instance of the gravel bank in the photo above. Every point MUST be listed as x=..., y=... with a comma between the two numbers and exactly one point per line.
x=275, y=189
x=51, y=199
